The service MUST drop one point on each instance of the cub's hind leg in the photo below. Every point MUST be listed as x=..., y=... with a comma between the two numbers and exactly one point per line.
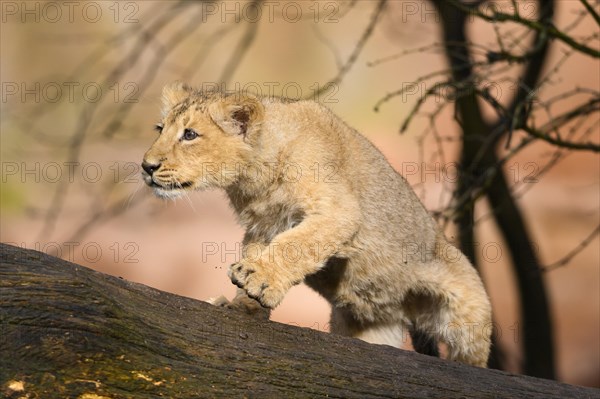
x=452, y=306
x=467, y=328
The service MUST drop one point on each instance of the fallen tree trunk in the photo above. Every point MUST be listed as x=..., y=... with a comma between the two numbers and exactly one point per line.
x=68, y=331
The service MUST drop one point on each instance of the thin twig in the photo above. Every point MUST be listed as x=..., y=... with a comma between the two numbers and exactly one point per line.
x=357, y=50
x=591, y=10
x=241, y=49
x=574, y=252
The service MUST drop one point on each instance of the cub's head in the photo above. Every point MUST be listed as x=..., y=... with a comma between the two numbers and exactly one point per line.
x=204, y=139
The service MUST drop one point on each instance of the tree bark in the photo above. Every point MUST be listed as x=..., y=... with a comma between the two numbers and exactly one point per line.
x=70, y=332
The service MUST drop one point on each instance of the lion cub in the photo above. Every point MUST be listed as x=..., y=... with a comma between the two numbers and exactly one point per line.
x=321, y=205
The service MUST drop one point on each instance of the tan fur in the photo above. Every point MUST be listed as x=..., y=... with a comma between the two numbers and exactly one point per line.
x=320, y=204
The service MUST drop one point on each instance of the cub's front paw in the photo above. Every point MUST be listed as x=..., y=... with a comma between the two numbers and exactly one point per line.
x=260, y=284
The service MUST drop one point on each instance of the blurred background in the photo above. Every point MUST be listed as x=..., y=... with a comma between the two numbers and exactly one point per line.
x=81, y=86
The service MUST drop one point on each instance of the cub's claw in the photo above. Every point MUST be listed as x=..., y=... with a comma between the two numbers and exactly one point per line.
x=238, y=273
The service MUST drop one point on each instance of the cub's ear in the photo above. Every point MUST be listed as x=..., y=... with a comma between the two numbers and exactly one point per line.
x=173, y=94
x=237, y=114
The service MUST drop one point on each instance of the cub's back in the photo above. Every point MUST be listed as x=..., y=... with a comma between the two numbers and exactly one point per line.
x=313, y=133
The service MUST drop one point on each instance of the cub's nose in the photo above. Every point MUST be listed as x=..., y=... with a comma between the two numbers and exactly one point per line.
x=150, y=167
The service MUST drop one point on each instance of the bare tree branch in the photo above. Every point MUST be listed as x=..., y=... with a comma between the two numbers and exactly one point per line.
x=546, y=29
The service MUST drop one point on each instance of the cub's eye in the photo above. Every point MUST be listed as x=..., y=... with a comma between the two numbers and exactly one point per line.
x=158, y=127
x=189, y=134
